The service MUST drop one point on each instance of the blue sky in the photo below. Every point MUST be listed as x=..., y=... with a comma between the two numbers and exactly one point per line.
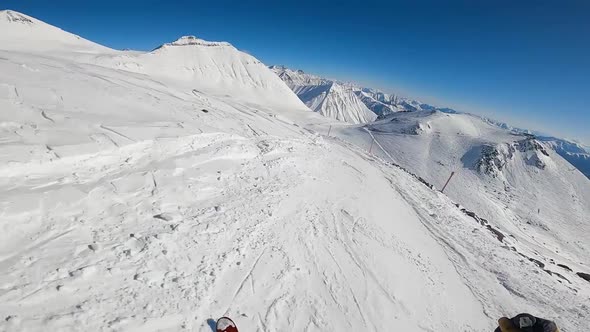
x=524, y=62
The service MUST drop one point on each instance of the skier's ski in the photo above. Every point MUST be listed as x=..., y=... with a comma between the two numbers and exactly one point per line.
x=225, y=324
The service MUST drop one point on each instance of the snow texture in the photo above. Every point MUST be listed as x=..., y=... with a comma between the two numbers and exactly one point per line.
x=155, y=191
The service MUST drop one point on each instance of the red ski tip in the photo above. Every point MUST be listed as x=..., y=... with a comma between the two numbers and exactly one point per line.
x=225, y=324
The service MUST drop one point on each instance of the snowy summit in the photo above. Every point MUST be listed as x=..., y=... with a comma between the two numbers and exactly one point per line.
x=192, y=40
x=19, y=32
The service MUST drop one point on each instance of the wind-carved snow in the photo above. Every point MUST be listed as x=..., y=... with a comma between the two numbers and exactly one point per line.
x=137, y=200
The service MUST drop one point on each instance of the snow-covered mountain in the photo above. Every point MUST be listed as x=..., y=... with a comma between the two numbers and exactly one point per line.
x=329, y=98
x=345, y=101
x=157, y=190
x=19, y=32
x=515, y=180
x=314, y=90
x=577, y=154
x=211, y=67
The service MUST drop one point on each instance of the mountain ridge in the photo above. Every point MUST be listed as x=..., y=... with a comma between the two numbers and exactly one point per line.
x=192, y=40
x=329, y=98
x=377, y=101
x=23, y=32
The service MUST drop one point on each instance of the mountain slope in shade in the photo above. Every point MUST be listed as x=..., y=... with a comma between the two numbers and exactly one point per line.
x=329, y=98
x=23, y=33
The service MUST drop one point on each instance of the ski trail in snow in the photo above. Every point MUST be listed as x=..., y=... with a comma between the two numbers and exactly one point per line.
x=117, y=133
x=248, y=276
x=9, y=260
x=44, y=115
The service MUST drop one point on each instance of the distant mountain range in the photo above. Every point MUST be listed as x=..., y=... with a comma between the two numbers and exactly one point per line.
x=355, y=104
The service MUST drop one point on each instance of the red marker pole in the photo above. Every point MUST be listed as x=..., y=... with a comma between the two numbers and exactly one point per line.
x=443, y=189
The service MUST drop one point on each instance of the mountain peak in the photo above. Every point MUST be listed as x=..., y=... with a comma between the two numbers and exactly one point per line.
x=16, y=17
x=194, y=41
x=22, y=32
x=277, y=67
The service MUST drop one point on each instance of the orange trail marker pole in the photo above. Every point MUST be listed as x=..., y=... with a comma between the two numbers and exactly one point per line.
x=443, y=189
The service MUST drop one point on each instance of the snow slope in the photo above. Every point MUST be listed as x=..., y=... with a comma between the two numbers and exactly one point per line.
x=520, y=183
x=576, y=154
x=19, y=32
x=131, y=201
x=329, y=98
x=216, y=68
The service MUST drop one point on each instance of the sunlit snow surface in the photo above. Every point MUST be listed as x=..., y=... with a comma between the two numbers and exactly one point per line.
x=140, y=199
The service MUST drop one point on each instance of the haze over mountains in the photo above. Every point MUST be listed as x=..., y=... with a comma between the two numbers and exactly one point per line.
x=157, y=190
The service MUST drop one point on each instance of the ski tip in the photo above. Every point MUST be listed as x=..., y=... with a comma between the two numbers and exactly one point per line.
x=225, y=324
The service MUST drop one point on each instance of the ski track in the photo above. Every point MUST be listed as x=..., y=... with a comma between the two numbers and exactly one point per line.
x=193, y=256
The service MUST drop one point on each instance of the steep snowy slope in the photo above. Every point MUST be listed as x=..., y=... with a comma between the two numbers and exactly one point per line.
x=384, y=104
x=19, y=32
x=212, y=67
x=514, y=180
x=341, y=102
x=131, y=201
x=377, y=105
x=329, y=98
